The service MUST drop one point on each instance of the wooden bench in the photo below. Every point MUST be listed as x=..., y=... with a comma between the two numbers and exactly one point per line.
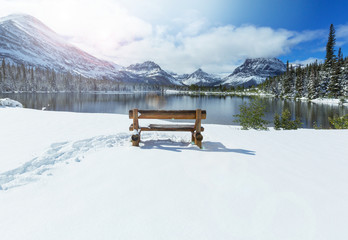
x=195, y=129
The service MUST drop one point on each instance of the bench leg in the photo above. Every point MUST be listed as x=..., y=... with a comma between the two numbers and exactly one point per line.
x=135, y=139
x=198, y=139
x=193, y=139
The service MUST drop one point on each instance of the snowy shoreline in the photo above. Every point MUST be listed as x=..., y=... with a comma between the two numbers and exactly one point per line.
x=60, y=170
x=328, y=101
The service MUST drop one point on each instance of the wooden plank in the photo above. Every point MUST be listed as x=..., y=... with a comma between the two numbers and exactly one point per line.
x=135, y=137
x=167, y=114
x=197, y=134
x=198, y=120
x=167, y=127
x=135, y=119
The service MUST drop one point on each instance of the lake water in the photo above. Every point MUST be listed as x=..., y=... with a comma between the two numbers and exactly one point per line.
x=220, y=110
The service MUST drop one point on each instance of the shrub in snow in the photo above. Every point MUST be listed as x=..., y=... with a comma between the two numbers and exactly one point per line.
x=317, y=126
x=277, y=123
x=6, y=102
x=285, y=121
x=251, y=115
x=339, y=122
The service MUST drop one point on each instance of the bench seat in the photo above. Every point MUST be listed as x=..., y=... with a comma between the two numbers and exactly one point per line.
x=167, y=127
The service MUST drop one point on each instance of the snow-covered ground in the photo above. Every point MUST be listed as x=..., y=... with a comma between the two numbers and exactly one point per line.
x=76, y=176
x=7, y=102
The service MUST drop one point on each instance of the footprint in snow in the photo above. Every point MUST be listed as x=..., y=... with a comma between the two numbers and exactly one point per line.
x=58, y=153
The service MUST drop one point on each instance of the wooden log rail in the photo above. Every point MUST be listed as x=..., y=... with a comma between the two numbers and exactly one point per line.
x=195, y=129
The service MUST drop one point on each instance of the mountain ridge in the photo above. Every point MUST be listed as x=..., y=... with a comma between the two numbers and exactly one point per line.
x=255, y=71
x=25, y=39
x=200, y=78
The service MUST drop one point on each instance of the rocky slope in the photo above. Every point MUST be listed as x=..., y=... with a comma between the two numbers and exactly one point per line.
x=150, y=72
x=199, y=78
x=255, y=71
x=24, y=39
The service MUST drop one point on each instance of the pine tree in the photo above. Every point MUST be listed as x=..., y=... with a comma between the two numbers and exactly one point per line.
x=313, y=83
x=330, y=57
x=32, y=80
x=335, y=83
x=3, y=66
x=288, y=81
x=287, y=67
x=299, y=82
x=345, y=78
x=340, y=57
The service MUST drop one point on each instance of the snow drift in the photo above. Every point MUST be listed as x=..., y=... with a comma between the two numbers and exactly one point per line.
x=7, y=102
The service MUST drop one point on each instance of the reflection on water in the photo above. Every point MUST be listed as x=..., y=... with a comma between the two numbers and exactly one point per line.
x=220, y=110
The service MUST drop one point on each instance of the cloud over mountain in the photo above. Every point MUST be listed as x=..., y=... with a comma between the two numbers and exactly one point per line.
x=113, y=30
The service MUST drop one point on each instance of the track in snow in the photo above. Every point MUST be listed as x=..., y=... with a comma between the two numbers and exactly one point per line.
x=67, y=152
x=63, y=152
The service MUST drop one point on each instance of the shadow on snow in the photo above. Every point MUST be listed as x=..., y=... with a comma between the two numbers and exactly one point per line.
x=208, y=146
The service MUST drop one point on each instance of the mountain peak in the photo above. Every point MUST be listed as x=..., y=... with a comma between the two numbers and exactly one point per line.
x=262, y=60
x=21, y=18
x=26, y=40
x=255, y=70
x=148, y=65
x=200, y=78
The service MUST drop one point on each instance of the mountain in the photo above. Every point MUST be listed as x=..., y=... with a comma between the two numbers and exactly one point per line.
x=296, y=65
x=251, y=72
x=199, y=78
x=255, y=71
x=24, y=39
x=150, y=72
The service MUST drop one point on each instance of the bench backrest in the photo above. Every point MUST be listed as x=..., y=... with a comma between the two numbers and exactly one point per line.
x=164, y=114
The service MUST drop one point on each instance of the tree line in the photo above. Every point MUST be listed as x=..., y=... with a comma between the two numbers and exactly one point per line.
x=328, y=79
x=24, y=78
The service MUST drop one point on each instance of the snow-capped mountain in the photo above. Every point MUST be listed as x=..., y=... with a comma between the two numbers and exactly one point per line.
x=24, y=39
x=255, y=71
x=199, y=78
x=251, y=72
x=150, y=72
x=296, y=65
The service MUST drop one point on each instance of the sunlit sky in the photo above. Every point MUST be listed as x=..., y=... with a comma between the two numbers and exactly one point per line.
x=182, y=35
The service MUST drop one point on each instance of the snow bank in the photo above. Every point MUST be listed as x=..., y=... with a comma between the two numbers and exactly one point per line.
x=328, y=101
x=7, y=102
x=76, y=176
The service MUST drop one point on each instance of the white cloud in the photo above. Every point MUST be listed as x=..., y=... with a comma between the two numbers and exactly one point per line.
x=108, y=30
x=308, y=61
x=342, y=31
x=216, y=50
x=342, y=35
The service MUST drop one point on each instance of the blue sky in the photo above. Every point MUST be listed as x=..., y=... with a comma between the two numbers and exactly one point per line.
x=182, y=36
x=295, y=15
